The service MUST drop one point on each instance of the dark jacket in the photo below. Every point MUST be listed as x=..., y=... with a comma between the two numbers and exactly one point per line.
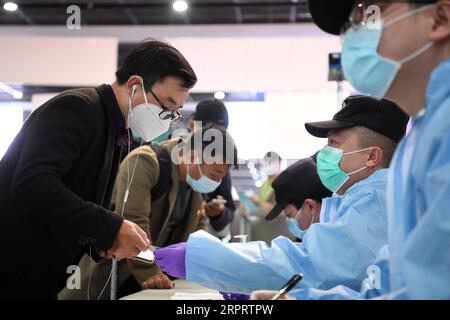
x=56, y=180
x=152, y=216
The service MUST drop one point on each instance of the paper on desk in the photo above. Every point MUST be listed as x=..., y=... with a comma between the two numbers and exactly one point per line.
x=197, y=296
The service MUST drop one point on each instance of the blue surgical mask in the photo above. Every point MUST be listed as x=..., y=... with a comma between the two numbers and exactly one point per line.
x=331, y=175
x=294, y=228
x=363, y=67
x=202, y=185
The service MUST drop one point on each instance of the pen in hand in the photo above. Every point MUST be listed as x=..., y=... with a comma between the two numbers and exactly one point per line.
x=288, y=286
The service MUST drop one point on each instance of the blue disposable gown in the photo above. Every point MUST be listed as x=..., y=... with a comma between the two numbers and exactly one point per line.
x=330, y=208
x=332, y=253
x=419, y=200
x=375, y=285
x=418, y=205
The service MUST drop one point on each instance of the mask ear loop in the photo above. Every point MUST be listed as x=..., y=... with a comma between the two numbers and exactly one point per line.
x=357, y=151
x=143, y=91
x=199, y=168
x=353, y=152
x=404, y=16
x=417, y=53
x=407, y=15
x=356, y=171
x=310, y=224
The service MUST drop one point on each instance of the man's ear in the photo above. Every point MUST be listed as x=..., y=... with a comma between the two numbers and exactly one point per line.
x=313, y=207
x=375, y=157
x=441, y=27
x=133, y=84
x=310, y=204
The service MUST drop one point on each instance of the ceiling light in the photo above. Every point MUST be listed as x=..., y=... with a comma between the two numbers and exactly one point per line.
x=13, y=92
x=219, y=95
x=180, y=6
x=10, y=6
x=17, y=95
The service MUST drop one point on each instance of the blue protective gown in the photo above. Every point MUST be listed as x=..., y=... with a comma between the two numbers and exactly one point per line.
x=418, y=205
x=376, y=284
x=332, y=253
x=330, y=208
x=419, y=199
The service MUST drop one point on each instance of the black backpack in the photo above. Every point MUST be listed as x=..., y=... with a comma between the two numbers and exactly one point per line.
x=164, y=182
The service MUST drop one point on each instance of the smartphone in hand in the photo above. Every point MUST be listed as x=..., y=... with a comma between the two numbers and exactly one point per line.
x=217, y=202
x=147, y=256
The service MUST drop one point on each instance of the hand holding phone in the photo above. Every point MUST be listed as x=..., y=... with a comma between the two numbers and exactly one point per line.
x=217, y=202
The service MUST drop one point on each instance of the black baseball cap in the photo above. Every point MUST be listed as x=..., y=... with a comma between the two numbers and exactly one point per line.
x=296, y=184
x=382, y=116
x=331, y=15
x=212, y=111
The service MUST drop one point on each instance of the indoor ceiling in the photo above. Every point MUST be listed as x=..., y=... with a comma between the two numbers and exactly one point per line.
x=157, y=12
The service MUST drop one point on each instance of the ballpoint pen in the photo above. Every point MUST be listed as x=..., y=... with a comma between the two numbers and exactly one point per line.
x=288, y=286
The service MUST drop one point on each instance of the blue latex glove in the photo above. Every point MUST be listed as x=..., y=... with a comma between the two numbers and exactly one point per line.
x=171, y=259
x=235, y=296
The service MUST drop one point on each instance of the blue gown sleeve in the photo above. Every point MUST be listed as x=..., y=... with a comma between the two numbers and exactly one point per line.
x=331, y=254
x=375, y=285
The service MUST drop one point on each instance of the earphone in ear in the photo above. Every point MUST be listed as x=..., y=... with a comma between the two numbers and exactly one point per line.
x=133, y=90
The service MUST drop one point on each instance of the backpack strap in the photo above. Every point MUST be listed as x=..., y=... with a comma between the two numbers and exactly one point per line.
x=164, y=182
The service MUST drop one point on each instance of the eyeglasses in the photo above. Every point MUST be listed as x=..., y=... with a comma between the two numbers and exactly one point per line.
x=362, y=10
x=358, y=16
x=166, y=114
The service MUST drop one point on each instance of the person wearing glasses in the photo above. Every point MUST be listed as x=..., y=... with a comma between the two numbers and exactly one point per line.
x=403, y=55
x=56, y=178
x=168, y=211
x=361, y=139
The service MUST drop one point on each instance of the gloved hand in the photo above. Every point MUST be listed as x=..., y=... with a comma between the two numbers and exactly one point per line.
x=171, y=259
x=235, y=296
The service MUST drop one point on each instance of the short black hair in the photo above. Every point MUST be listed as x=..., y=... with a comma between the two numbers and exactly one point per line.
x=271, y=156
x=155, y=60
x=228, y=152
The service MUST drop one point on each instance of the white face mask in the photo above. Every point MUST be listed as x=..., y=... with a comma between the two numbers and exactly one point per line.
x=144, y=119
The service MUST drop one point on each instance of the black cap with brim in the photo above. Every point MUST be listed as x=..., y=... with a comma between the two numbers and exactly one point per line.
x=275, y=212
x=211, y=111
x=322, y=128
x=331, y=15
x=382, y=116
x=298, y=182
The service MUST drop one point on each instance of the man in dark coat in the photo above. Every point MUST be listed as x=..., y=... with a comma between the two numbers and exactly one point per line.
x=57, y=176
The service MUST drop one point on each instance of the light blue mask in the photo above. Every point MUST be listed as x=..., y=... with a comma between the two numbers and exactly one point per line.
x=363, y=67
x=204, y=184
x=331, y=175
x=294, y=228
